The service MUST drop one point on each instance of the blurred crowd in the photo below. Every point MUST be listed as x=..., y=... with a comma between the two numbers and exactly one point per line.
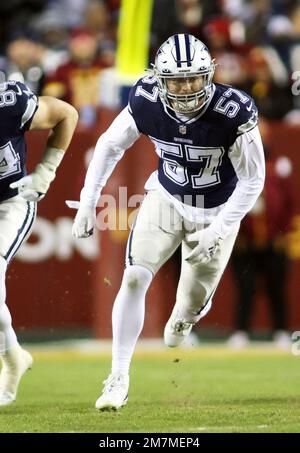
x=61, y=48
x=66, y=48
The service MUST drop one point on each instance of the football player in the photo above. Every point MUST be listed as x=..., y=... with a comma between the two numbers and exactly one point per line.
x=21, y=110
x=210, y=173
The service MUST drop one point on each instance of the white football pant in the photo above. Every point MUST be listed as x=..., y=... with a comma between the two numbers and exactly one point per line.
x=158, y=231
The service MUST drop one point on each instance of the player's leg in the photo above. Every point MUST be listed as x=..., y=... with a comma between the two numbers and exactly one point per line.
x=16, y=219
x=196, y=287
x=127, y=321
x=154, y=238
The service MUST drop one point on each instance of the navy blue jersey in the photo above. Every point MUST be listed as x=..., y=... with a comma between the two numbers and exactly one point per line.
x=193, y=154
x=17, y=107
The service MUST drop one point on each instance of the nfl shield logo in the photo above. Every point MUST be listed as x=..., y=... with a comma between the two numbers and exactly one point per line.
x=182, y=129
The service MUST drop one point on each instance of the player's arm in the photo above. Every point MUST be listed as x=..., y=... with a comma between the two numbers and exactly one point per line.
x=109, y=149
x=61, y=118
x=58, y=116
x=247, y=158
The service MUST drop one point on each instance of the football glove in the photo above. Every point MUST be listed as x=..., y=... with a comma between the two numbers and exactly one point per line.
x=34, y=186
x=84, y=221
x=207, y=244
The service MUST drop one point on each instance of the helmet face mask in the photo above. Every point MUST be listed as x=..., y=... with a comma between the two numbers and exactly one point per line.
x=186, y=60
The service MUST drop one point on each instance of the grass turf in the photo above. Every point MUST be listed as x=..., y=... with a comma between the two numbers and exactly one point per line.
x=187, y=391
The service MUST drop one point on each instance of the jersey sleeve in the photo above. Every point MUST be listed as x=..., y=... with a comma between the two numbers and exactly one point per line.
x=143, y=99
x=27, y=104
x=135, y=103
x=18, y=105
x=248, y=116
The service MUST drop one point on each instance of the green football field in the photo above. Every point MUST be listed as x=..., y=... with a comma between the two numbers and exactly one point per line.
x=175, y=391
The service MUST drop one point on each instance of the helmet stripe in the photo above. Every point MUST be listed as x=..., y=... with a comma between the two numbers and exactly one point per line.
x=188, y=50
x=183, y=50
x=177, y=47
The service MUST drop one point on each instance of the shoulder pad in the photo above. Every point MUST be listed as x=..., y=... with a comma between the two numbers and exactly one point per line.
x=145, y=90
x=237, y=105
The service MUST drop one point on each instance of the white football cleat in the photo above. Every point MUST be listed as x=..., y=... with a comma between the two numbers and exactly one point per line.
x=115, y=392
x=14, y=364
x=176, y=330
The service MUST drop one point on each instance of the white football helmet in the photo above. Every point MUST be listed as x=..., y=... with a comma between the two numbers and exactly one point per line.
x=183, y=56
